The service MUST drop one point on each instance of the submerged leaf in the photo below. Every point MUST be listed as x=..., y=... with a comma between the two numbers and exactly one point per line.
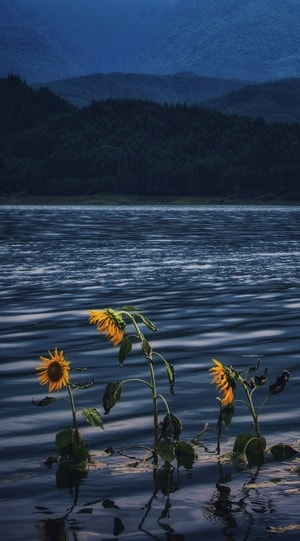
x=44, y=402
x=166, y=450
x=118, y=527
x=252, y=447
x=282, y=452
x=111, y=395
x=280, y=383
x=93, y=417
x=185, y=455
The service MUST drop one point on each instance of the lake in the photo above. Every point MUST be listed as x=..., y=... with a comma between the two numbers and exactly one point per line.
x=219, y=282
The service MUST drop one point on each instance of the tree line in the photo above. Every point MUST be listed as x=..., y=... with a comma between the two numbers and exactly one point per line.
x=50, y=147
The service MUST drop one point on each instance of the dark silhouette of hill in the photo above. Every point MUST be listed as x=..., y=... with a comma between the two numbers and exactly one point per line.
x=275, y=101
x=182, y=87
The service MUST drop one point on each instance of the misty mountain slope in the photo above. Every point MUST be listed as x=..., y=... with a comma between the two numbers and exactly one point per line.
x=254, y=41
x=186, y=88
x=258, y=40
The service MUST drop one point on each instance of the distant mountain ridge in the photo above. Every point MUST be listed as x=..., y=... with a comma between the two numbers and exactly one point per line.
x=275, y=101
x=183, y=87
x=253, y=41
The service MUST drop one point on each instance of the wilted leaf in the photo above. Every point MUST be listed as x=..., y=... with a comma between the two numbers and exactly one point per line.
x=280, y=383
x=171, y=375
x=44, y=402
x=255, y=366
x=93, y=417
x=282, y=452
x=124, y=350
x=82, y=385
x=171, y=426
x=259, y=381
x=111, y=395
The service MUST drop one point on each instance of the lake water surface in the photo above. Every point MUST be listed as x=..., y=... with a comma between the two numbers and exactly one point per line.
x=218, y=281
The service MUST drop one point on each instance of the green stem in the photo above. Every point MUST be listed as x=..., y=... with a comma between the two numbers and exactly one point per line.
x=152, y=375
x=75, y=426
x=254, y=415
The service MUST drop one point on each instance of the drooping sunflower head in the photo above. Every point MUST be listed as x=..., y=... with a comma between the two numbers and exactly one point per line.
x=223, y=377
x=54, y=370
x=110, y=322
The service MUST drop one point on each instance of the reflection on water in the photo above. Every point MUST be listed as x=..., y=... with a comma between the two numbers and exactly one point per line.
x=218, y=282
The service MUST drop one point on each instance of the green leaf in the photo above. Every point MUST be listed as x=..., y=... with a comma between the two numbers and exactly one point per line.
x=146, y=347
x=47, y=400
x=64, y=439
x=148, y=323
x=253, y=448
x=282, y=452
x=185, y=455
x=82, y=385
x=129, y=308
x=93, y=417
x=166, y=451
x=171, y=427
x=111, y=395
x=124, y=350
x=171, y=375
x=226, y=414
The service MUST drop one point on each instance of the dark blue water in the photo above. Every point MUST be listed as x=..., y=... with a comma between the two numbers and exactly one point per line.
x=219, y=282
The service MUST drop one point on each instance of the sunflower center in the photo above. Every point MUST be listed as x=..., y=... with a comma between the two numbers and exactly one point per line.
x=55, y=371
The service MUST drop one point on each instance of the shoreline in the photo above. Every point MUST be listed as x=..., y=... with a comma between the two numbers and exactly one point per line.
x=107, y=198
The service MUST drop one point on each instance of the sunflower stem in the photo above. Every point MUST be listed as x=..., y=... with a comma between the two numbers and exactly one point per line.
x=75, y=426
x=254, y=415
x=149, y=358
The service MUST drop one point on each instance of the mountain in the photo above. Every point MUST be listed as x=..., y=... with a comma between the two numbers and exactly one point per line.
x=182, y=87
x=275, y=101
x=254, y=41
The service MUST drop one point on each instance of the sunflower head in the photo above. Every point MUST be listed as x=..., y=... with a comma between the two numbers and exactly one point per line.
x=54, y=370
x=110, y=322
x=223, y=377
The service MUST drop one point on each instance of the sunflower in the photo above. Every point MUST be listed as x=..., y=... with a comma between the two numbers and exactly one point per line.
x=110, y=322
x=54, y=370
x=223, y=377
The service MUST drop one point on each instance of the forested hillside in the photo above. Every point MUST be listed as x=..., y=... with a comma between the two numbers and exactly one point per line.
x=48, y=146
